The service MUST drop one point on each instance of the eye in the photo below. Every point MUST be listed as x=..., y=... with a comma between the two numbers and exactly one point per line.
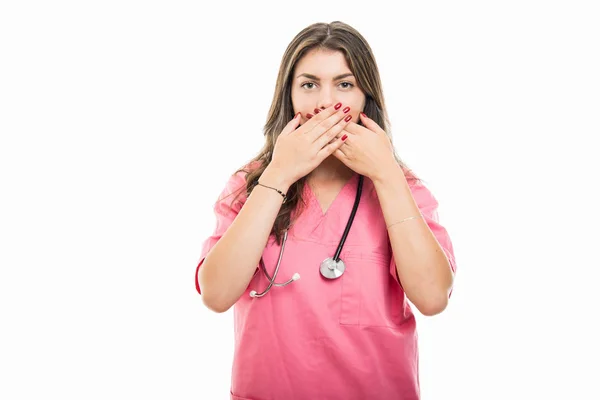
x=345, y=85
x=306, y=83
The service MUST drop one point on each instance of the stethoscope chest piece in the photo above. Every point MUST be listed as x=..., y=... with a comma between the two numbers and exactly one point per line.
x=332, y=269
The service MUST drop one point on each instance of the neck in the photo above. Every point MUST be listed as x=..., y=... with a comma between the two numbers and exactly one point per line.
x=331, y=169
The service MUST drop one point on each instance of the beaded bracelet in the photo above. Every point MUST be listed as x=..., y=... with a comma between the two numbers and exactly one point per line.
x=277, y=190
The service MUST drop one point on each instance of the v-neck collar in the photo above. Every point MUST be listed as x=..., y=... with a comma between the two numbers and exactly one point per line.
x=312, y=198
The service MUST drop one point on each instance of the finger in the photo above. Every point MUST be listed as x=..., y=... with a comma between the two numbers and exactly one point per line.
x=291, y=125
x=341, y=152
x=370, y=124
x=328, y=123
x=314, y=120
x=343, y=149
x=332, y=133
x=316, y=111
x=340, y=155
x=343, y=132
x=356, y=129
x=329, y=149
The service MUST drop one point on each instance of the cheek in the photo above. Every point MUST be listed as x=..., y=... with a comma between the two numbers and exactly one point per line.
x=355, y=108
x=298, y=101
x=355, y=102
x=295, y=101
x=304, y=107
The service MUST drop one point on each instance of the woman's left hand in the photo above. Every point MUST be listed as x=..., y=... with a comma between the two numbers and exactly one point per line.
x=367, y=150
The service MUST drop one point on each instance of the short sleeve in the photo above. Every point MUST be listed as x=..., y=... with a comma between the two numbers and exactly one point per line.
x=428, y=205
x=225, y=213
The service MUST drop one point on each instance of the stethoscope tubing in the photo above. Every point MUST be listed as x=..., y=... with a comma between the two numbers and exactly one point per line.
x=336, y=257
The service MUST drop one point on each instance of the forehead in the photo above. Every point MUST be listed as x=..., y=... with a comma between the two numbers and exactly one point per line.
x=323, y=63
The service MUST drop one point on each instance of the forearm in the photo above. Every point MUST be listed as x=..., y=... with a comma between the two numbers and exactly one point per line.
x=231, y=263
x=422, y=266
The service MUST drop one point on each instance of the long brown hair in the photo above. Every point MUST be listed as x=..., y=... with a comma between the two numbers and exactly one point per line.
x=335, y=36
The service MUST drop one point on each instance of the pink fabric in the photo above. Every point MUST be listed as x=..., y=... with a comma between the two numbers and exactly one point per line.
x=349, y=338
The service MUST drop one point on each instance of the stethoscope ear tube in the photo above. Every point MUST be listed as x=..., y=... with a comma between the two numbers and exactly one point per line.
x=272, y=282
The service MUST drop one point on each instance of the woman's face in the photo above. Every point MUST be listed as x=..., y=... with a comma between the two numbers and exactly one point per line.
x=322, y=79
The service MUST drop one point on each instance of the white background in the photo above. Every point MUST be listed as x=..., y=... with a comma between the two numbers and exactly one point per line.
x=121, y=121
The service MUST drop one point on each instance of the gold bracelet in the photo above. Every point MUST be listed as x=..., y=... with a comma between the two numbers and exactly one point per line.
x=405, y=219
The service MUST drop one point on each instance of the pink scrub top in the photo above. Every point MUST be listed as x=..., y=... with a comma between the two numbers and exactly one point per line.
x=348, y=338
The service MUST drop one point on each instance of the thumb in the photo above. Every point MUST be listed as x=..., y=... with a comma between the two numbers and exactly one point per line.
x=292, y=125
x=369, y=123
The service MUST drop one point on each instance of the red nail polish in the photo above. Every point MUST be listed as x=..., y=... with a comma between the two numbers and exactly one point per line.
x=317, y=111
x=296, y=116
x=362, y=114
x=337, y=106
x=348, y=118
x=344, y=137
x=346, y=110
x=309, y=115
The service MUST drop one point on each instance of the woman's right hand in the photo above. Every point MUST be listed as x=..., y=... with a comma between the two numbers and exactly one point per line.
x=299, y=150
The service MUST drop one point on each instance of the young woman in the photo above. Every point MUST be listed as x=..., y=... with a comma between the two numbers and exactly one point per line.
x=329, y=211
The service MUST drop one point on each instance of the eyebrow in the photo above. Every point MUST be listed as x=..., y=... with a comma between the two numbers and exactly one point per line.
x=335, y=78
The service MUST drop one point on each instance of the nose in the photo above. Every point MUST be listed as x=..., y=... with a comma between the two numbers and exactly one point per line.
x=326, y=99
x=323, y=105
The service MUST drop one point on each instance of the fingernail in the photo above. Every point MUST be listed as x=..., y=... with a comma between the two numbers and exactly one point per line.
x=362, y=114
x=296, y=116
x=346, y=110
x=337, y=106
x=317, y=111
x=344, y=137
x=348, y=118
x=309, y=115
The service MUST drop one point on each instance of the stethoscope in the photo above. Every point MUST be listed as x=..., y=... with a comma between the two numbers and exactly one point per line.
x=331, y=267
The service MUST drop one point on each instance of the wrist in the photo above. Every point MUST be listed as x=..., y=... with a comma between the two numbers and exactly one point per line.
x=273, y=177
x=392, y=171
